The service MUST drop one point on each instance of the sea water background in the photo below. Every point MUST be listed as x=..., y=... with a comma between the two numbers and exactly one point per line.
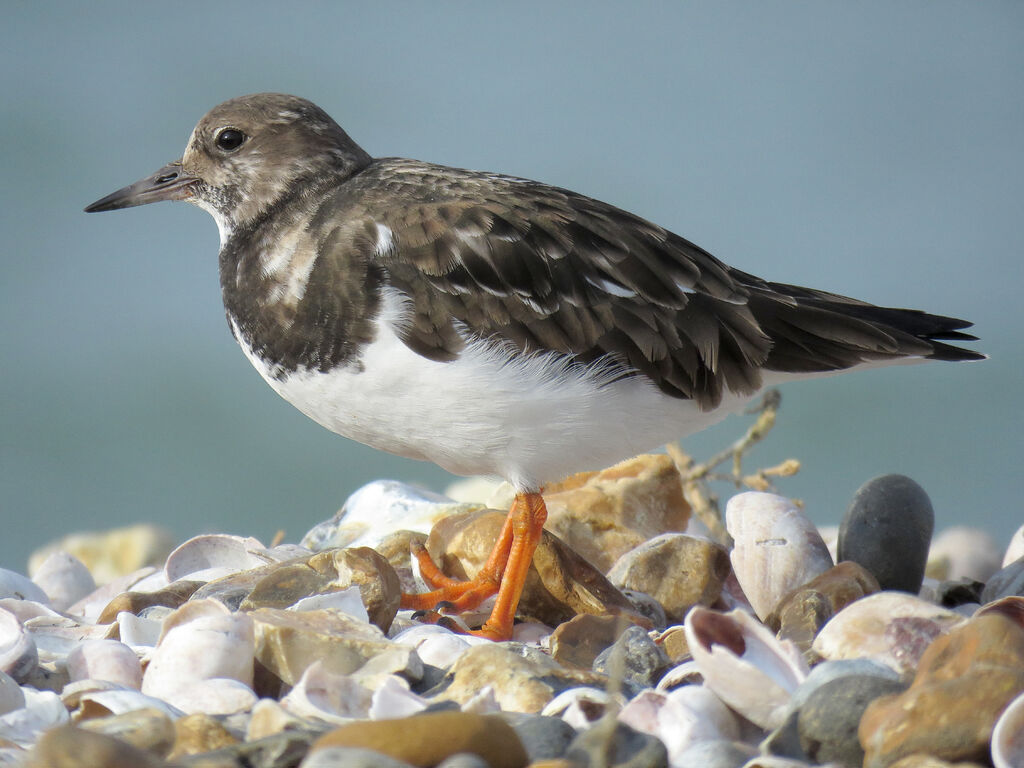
x=872, y=149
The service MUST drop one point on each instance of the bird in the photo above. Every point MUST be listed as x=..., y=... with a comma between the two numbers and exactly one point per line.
x=492, y=324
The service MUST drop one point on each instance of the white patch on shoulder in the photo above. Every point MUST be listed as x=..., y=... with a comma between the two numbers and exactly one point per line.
x=385, y=240
x=530, y=419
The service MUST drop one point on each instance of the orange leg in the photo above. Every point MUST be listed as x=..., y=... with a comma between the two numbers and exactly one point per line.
x=503, y=574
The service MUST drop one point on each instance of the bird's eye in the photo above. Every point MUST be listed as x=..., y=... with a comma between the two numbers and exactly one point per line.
x=229, y=139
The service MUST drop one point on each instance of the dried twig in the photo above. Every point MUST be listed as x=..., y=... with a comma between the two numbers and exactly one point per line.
x=695, y=476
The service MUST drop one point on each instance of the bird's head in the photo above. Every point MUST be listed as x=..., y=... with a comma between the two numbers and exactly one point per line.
x=244, y=156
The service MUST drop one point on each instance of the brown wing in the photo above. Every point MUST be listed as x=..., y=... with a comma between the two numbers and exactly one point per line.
x=549, y=270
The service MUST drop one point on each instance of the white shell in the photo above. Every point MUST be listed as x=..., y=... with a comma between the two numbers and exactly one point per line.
x=380, y=508
x=18, y=654
x=11, y=695
x=1015, y=550
x=213, y=555
x=681, y=718
x=347, y=601
x=91, y=606
x=42, y=710
x=332, y=698
x=581, y=707
x=392, y=698
x=105, y=660
x=873, y=627
x=435, y=645
x=966, y=553
x=1008, y=736
x=215, y=696
x=138, y=632
x=744, y=663
x=64, y=578
x=687, y=673
x=119, y=701
x=20, y=587
x=776, y=550
x=56, y=637
x=202, y=640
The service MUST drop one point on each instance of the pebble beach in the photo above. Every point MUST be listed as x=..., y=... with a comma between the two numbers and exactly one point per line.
x=644, y=640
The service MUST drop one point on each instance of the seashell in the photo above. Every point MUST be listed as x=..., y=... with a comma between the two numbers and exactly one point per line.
x=91, y=606
x=201, y=640
x=348, y=601
x=137, y=631
x=745, y=664
x=582, y=707
x=774, y=761
x=687, y=673
x=42, y=711
x=56, y=637
x=1008, y=736
x=776, y=550
x=11, y=695
x=435, y=645
x=105, y=660
x=681, y=718
x=214, y=696
x=891, y=627
x=378, y=509
x=64, y=579
x=329, y=697
x=118, y=701
x=961, y=552
x=830, y=535
x=28, y=609
x=392, y=698
x=18, y=654
x=485, y=702
x=213, y=556
x=1015, y=549
x=13, y=584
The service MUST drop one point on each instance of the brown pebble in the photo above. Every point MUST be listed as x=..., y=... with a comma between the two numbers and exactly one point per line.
x=68, y=746
x=425, y=740
x=199, y=733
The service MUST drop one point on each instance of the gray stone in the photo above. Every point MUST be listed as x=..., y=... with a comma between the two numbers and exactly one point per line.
x=887, y=529
x=464, y=760
x=1006, y=582
x=544, y=738
x=615, y=745
x=634, y=656
x=353, y=757
x=827, y=722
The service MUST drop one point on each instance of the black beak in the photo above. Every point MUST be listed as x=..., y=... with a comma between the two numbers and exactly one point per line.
x=169, y=183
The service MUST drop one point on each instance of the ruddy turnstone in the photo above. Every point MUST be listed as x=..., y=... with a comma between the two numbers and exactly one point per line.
x=491, y=324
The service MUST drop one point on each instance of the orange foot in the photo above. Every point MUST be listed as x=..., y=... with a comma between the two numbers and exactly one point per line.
x=503, y=574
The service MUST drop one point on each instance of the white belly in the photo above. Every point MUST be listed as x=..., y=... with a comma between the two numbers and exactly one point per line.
x=522, y=419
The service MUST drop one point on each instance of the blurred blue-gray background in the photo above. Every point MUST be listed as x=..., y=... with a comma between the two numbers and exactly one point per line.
x=874, y=149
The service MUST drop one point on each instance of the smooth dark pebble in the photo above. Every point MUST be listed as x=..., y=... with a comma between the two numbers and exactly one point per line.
x=623, y=747
x=544, y=738
x=950, y=594
x=636, y=657
x=827, y=722
x=887, y=529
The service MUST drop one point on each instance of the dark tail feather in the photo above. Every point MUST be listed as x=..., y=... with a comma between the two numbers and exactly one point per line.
x=819, y=331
